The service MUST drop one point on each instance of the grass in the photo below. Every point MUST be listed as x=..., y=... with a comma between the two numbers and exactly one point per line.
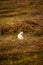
x=31, y=58
x=26, y=17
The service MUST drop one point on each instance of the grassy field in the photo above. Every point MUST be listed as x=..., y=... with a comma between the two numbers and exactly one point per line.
x=26, y=16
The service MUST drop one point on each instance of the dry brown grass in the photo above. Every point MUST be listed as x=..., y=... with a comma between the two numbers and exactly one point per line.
x=26, y=16
x=16, y=52
x=26, y=26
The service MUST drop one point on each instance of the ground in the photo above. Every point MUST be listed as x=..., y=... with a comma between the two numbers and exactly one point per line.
x=26, y=16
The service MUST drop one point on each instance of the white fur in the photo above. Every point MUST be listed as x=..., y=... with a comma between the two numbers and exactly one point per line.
x=20, y=37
